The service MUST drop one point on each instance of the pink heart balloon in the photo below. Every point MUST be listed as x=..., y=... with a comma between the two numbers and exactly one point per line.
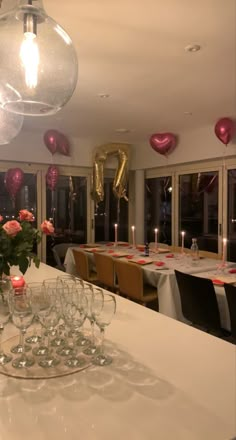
x=224, y=130
x=14, y=178
x=63, y=145
x=163, y=143
x=52, y=177
x=51, y=140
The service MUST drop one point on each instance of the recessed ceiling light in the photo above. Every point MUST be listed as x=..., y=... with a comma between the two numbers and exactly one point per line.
x=104, y=95
x=192, y=48
x=122, y=130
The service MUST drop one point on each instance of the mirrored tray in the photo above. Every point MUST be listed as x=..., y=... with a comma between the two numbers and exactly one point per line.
x=37, y=372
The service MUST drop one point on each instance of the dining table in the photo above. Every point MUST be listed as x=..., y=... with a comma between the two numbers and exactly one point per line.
x=159, y=271
x=167, y=381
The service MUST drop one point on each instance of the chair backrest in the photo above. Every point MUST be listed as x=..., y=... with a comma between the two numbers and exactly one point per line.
x=59, y=253
x=230, y=292
x=198, y=300
x=130, y=279
x=105, y=269
x=81, y=264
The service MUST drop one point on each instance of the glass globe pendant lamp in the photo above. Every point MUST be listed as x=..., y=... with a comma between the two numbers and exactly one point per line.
x=38, y=63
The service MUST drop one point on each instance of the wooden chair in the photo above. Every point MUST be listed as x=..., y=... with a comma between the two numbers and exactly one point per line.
x=198, y=302
x=230, y=292
x=105, y=270
x=59, y=253
x=130, y=282
x=82, y=266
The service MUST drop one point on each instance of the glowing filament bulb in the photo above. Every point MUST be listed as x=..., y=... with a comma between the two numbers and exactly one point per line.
x=29, y=54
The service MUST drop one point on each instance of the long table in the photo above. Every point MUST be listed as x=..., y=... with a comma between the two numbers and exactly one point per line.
x=164, y=278
x=168, y=381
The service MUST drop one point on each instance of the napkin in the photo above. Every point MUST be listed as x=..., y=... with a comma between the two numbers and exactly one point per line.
x=170, y=256
x=82, y=245
x=232, y=271
x=109, y=244
x=141, y=261
x=159, y=263
x=129, y=257
x=110, y=251
x=219, y=282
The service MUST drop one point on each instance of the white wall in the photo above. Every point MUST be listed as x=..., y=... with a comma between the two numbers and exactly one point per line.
x=192, y=146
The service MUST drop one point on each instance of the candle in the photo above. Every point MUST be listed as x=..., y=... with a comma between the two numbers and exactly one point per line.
x=182, y=244
x=17, y=281
x=133, y=235
x=224, y=250
x=116, y=232
x=156, y=232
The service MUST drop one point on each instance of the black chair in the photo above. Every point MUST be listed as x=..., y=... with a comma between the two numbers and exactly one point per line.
x=230, y=292
x=59, y=253
x=198, y=301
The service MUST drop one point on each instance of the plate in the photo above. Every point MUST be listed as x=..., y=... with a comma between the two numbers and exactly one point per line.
x=140, y=261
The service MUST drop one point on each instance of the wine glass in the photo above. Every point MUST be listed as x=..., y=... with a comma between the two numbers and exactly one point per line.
x=103, y=317
x=75, y=311
x=56, y=288
x=49, y=317
x=22, y=316
x=5, y=285
x=92, y=293
x=36, y=289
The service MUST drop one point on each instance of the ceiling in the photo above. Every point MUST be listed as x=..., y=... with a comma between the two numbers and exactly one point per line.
x=134, y=51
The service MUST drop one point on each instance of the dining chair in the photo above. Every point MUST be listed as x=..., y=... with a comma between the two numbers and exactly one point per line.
x=198, y=302
x=131, y=283
x=82, y=266
x=105, y=270
x=59, y=253
x=230, y=292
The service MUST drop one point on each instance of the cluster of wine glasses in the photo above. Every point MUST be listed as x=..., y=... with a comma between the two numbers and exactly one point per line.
x=56, y=310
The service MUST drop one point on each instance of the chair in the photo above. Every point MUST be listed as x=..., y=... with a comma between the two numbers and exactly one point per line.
x=198, y=301
x=230, y=292
x=130, y=281
x=82, y=266
x=59, y=253
x=105, y=270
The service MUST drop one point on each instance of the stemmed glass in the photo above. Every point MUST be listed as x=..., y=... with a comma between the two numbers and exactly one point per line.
x=49, y=317
x=36, y=289
x=22, y=317
x=55, y=288
x=5, y=285
x=75, y=311
x=103, y=317
x=92, y=293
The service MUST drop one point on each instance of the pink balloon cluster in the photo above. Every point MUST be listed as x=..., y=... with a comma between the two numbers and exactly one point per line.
x=224, y=130
x=52, y=177
x=13, y=181
x=163, y=143
x=56, y=142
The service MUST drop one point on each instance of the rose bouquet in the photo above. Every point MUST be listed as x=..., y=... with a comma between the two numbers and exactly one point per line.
x=17, y=239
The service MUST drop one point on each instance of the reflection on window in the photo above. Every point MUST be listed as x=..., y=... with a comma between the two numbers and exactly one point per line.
x=198, y=209
x=108, y=212
x=232, y=215
x=158, y=198
x=67, y=209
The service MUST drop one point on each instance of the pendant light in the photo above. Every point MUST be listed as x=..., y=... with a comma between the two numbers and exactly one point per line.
x=38, y=63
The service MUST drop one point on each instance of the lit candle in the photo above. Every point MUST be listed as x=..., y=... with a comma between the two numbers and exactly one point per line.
x=116, y=232
x=224, y=250
x=182, y=245
x=17, y=281
x=133, y=237
x=156, y=232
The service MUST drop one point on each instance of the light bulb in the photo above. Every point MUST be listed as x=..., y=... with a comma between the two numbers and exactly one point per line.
x=29, y=54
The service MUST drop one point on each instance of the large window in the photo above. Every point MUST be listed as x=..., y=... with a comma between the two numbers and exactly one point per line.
x=67, y=209
x=232, y=215
x=198, y=209
x=158, y=209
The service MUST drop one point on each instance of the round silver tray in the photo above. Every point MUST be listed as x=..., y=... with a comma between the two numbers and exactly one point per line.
x=37, y=372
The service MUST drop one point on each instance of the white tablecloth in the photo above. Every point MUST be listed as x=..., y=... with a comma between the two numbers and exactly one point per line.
x=164, y=279
x=168, y=381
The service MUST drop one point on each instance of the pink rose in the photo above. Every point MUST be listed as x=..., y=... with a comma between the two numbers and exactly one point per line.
x=12, y=228
x=1, y=218
x=26, y=215
x=47, y=227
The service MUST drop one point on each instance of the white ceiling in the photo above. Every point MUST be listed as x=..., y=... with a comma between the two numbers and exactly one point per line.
x=133, y=50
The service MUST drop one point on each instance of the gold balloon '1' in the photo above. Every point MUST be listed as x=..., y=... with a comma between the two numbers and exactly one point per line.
x=120, y=181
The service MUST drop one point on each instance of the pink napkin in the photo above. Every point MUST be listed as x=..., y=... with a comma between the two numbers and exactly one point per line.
x=116, y=255
x=129, y=257
x=141, y=261
x=82, y=245
x=219, y=282
x=110, y=251
x=170, y=256
x=109, y=244
x=232, y=271
x=159, y=263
